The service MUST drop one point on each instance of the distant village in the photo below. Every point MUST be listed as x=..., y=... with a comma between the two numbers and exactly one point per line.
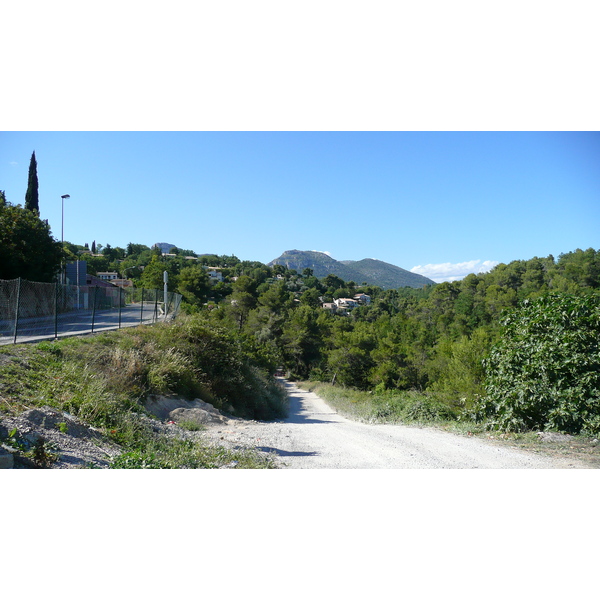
x=77, y=274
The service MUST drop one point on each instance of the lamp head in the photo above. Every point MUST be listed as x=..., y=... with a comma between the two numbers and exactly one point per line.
x=65, y=196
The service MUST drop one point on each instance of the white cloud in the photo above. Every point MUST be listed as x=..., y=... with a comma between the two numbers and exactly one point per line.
x=13, y=163
x=453, y=271
x=323, y=252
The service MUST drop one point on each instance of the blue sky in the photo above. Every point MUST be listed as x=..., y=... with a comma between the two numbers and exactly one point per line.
x=362, y=132
x=441, y=203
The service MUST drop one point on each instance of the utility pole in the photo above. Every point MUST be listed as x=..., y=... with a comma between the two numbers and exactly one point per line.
x=62, y=233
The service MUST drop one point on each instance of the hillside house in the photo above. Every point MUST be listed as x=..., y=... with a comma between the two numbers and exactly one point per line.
x=215, y=274
x=93, y=280
x=345, y=303
x=362, y=298
x=108, y=275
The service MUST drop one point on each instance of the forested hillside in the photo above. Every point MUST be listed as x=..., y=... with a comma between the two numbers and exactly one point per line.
x=436, y=340
x=516, y=347
x=368, y=270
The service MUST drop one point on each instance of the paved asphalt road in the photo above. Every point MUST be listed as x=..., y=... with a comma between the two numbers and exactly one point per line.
x=75, y=323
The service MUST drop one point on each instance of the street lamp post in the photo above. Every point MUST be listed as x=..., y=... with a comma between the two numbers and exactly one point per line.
x=62, y=232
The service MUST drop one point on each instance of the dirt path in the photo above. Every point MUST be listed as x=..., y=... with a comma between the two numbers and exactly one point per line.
x=314, y=436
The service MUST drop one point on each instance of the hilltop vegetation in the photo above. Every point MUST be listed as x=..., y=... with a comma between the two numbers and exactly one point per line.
x=368, y=271
x=448, y=342
x=386, y=276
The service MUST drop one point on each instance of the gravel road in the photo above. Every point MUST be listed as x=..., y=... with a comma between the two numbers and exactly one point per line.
x=314, y=436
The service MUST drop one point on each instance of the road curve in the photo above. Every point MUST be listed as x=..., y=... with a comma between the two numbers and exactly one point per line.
x=314, y=436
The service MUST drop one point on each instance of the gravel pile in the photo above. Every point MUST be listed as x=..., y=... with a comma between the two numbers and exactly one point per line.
x=66, y=442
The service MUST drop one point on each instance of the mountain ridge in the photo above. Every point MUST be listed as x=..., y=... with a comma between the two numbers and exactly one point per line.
x=367, y=270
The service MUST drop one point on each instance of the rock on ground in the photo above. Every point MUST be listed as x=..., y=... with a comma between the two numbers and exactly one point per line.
x=62, y=436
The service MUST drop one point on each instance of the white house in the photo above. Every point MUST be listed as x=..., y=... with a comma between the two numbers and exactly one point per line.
x=108, y=275
x=345, y=302
x=215, y=274
x=362, y=298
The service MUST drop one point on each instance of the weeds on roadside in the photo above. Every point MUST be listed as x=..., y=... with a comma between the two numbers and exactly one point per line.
x=191, y=425
x=104, y=379
x=189, y=454
x=384, y=407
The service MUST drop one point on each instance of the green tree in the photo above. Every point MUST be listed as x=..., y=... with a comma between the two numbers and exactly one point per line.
x=220, y=291
x=312, y=297
x=136, y=249
x=194, y=284
x=241, y=305
x=276, y=298
x=31, y=196
x=279, y=270
x=457, y=371
x=302, y=340
x=333, y=282
x=27, y=248
x=152, y=276
x=113, y=254
x=245, y=284
x=96, y=264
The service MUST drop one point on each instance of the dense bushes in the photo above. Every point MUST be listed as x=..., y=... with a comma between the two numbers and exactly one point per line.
x=198, y=359
x=101, y=377
x=544, y=373
x=384, y=406
x=104, y=379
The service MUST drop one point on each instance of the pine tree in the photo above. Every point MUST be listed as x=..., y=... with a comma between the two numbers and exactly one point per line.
x=31, y=197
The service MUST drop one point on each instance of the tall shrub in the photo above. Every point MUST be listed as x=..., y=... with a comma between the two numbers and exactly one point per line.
x=545, y=371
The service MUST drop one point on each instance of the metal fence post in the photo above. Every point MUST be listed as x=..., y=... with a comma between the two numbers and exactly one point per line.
x=142, y=307
x=17, y=309
x=56, y=310
x=155, y=316
x=94, y=307
x=120, y=302
x=168, y=307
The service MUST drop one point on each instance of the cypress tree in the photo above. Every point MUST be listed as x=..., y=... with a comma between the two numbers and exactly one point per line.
x=31, y=197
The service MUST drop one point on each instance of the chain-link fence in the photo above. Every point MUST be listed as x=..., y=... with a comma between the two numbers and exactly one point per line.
x=32, y=310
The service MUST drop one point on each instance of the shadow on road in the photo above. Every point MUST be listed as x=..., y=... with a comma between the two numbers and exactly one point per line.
x=300, y=411
x=284, y=452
